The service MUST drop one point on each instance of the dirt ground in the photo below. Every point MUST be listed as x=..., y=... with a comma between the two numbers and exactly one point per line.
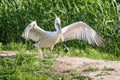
x=95, y=69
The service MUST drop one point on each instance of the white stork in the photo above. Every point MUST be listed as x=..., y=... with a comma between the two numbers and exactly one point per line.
x=47, y=39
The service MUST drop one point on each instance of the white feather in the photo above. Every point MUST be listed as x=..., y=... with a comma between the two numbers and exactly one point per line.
x=78, y=30
x=83, y=32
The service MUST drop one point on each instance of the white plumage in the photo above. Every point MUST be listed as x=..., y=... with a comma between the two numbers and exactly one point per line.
x=81, y=31
x=47, y=39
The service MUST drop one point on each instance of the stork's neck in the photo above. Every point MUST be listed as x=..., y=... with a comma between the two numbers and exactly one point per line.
x=58, y=27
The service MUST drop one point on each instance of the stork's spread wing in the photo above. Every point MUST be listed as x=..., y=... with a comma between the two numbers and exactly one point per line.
x=33, y=32
x=81, y=31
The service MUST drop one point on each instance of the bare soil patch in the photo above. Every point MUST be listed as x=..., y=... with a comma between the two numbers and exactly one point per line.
x=95, y=69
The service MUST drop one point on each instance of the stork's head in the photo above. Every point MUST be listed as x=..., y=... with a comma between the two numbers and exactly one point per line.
x=57, y=20
x=25, y=34
x=57, y=24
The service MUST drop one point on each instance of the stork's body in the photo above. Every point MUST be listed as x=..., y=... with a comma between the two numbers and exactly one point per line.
x=47, y=39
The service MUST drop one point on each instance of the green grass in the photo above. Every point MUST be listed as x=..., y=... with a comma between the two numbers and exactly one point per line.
x=90, y=69
x=25, y=66
x=31, y=67
x=108, y=69
x=78, y=77
x=62, y=77
x=60, y=50
x=71, y=71
x=89, y=52
x=72, y=75
x=93, y=53
x=18, y=47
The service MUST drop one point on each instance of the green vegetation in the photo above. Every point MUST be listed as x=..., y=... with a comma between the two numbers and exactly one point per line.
x=72, y=72
x=108, y=69
x=74, y=75
x=62, y=77
x=90, y=69
x=17, y=47
x=25, y=66
x=61, y=51
x=102, y=15
x=81, y=77
x=15, y=15
x=31, y=67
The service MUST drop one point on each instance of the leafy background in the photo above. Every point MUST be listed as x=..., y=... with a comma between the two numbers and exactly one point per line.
x=102, y=15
